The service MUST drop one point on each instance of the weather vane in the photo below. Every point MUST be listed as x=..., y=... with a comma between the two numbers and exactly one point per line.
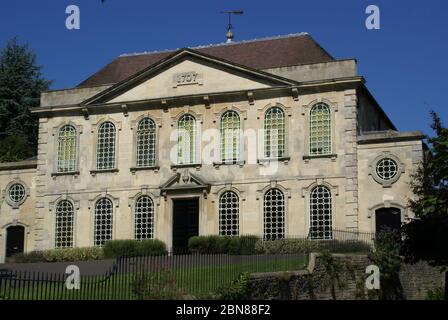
x=229, y=33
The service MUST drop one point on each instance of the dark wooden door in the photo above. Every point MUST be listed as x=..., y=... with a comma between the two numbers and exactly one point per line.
x=15, y=240
x=185, y=223
x=387, y=219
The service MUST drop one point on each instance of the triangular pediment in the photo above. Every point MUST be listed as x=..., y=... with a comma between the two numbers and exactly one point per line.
x=184, y=182
x=187, y=73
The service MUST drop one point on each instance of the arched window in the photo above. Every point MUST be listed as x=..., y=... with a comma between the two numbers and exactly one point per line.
x=65, y=215
x=321, y=213
x=274, y=214
x=146, y=143
x=67, y=149
x=230, y=136
x=144, y=218
x=229, y=214
x=274, y=133
x=320, y=129
x=105, y=148
x=103, y=221
x=186, y=140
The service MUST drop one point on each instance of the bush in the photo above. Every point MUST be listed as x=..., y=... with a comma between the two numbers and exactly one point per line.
x=30, y=257
x=286, y=246
x=59, y=255
x=349, y=246
x=223, y=245
x=157, y=286
x=134, y=248
x=73, y=254
x=237, y=290
x=436, y=294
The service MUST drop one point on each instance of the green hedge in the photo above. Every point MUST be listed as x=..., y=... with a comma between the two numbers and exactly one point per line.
x=349, y=246
x=242, y=245
x=286, y=246
x=291, y=246
x=58, y=255
x=133, y=248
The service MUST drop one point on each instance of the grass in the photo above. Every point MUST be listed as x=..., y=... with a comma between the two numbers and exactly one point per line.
x=198, y=281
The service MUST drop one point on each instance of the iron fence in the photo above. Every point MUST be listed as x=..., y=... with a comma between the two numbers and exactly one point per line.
x=178, y=276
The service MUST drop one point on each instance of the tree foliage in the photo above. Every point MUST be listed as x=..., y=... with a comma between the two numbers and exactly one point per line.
x=426, y=237
x=21, y=84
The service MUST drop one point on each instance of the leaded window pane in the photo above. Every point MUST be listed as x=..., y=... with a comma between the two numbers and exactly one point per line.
x=103, y=221
x=274, y=215
x=146, y=143
x=386, y=169
x=16, y=192
x=67, y=149
x=105, y=149
x=186, y=140
x=274, y=133
x=230, y=136
x=320, y=129
x=321, y=227
x=229, y=214
x=144, y=218
x=64, y=224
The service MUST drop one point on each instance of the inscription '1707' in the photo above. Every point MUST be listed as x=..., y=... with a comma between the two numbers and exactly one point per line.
x=186, y=78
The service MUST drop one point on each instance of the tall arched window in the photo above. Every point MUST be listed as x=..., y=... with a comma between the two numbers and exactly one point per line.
x=144, y=218
x=67, y=149
x=105, y=148
x=186, y=140
x=321, y=213
x=230, y=136
x=229, y=214
x=65, y=215
x=103, y=221
x=320, y=129
x=274, y=133
x=274, y=214
x=146, y=143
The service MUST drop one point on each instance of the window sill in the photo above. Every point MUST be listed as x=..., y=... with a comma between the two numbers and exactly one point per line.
x=229, y=163
x=94, y=172
x=187, y=165
x=285, y=160
x=59, y=174
x=307, y=158
x=149, y=168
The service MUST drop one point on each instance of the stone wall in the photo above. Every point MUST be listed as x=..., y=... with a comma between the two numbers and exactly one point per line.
x=312, y=283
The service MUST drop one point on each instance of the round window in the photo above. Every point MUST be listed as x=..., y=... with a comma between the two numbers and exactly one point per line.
x=16, y=193
x=386, y=169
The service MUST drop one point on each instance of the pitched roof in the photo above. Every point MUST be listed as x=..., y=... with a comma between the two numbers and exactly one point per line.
x=258, y=54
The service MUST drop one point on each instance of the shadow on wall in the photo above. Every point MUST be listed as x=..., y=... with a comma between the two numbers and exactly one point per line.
x=314, y=283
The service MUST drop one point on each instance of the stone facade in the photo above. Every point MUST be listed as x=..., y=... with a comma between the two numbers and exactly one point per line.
x=356, y=141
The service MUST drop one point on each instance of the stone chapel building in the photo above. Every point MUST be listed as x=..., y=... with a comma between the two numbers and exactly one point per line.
x=272, y=137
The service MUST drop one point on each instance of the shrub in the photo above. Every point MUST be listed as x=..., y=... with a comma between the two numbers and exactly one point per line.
x=436, y=294
x=73, y=254
x=214, y=244
x=237, y=290
x=59, y=255
x=30, y=257
x=349, y=246
x=286, y=246
x=157, y=286
x=133, y=248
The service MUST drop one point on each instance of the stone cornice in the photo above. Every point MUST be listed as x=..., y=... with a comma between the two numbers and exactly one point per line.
x=198, y=99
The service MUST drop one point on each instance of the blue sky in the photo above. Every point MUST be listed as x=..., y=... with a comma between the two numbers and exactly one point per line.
x=405, y=62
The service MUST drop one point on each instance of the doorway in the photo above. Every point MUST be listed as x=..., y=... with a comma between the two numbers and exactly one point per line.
x=387, y=219
x=15, y=240
x=185, y=223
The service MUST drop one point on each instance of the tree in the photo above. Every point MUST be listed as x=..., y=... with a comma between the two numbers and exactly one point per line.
x=426, y=236
x=21, y=83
